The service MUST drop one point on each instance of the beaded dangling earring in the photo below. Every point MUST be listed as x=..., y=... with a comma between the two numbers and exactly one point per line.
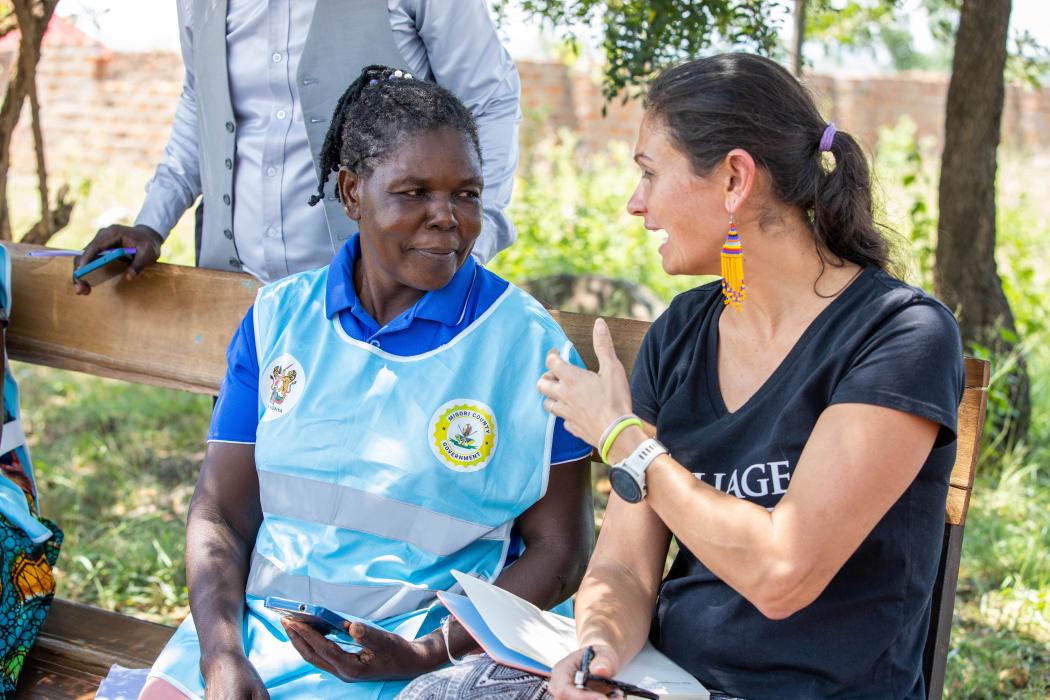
x=733, y=288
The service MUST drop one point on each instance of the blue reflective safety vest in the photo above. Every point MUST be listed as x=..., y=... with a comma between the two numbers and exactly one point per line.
x=13, y=503
x=379, y=474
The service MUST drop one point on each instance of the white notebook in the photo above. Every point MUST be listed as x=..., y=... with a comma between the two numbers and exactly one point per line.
x=516, y=633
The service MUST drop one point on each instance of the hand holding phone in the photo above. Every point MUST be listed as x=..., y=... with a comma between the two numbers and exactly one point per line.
x=106, y=266
x=143, y=239
x=322, y=619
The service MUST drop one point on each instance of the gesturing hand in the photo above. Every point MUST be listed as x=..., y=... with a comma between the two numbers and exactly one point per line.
x=588, y=401
x=383, y=656
x=145, y=240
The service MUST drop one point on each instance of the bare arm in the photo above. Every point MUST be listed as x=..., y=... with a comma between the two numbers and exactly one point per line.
x=224, y=519
x=614, y=605
x=616, y=599
x=781, y=560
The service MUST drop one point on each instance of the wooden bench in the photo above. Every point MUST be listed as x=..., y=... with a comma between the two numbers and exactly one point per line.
x=170, y=328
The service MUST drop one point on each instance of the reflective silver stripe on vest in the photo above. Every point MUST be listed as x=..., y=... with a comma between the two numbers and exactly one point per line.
x=369, y=602
x=13, y=436
x=352, y=509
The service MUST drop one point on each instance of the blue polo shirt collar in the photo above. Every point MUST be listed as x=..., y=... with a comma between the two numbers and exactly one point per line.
x=446, y=305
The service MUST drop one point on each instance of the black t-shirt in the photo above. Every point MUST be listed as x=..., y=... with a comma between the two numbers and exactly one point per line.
x=880, y=342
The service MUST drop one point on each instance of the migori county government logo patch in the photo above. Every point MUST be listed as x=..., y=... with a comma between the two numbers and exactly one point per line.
x=282, y=386
x=463, y=435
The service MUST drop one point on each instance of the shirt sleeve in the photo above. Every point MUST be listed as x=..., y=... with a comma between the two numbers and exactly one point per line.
x=236, y=414
x=912, y=363
x=566, y=447
x=176, y=184
x=467, y=58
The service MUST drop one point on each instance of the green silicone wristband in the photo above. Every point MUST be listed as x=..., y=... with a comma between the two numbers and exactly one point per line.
x=615, y=433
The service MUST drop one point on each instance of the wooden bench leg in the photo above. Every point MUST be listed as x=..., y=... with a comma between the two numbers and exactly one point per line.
x=935, y=655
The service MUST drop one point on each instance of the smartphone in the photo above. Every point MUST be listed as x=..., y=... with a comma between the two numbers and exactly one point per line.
x=319, y=617
x=106, y=266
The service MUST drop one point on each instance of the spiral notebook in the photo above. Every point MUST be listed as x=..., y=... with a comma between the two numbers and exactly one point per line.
x=516, y=633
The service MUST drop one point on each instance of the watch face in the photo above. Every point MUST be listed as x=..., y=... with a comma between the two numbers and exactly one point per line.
x=624, y=485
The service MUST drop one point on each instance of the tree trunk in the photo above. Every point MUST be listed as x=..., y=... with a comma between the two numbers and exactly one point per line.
x=965, y=273
x=800, y=37
x=33, y=17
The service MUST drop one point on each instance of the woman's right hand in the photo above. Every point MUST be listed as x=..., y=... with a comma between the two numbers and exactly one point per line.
x=605, y=663
x=230, y=676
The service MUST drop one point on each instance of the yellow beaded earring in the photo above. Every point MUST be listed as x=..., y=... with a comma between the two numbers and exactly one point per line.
x=733, y=288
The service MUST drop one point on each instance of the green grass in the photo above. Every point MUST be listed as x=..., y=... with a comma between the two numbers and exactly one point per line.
x=117, y=462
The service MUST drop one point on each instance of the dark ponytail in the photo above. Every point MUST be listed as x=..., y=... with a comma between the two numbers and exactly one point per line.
x=842, y=214
x=712, y=105
x=377, y=111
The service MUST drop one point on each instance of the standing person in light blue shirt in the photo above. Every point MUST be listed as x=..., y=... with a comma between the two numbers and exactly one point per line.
x=378, y=428
x=262, y=79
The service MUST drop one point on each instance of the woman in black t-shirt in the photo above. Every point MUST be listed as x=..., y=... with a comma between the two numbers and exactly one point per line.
x=809, y=415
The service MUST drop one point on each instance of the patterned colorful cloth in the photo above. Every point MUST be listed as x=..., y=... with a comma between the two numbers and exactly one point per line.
x=478, y=679
x=481, y=678
x=27, y=585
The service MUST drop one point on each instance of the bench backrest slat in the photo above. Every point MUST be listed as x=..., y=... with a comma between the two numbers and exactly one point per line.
x=168, y=328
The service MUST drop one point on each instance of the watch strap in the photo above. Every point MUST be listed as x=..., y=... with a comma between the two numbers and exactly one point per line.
x=640, y=459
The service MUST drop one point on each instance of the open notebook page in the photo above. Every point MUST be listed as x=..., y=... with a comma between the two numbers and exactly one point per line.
x=547, y=638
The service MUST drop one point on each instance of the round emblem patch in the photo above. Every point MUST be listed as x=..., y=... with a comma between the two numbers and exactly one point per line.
x=463, y=435
x=282, y=386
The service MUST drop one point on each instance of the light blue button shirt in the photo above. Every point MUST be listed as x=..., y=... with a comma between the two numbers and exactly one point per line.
x=277, y=234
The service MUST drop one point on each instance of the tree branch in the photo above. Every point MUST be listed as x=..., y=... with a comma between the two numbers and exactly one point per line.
x=32, y=17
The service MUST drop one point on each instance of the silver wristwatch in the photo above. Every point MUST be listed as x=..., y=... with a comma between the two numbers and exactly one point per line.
x=628, y=477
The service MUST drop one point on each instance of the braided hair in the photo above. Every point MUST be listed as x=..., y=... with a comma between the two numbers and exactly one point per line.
x=377, y=111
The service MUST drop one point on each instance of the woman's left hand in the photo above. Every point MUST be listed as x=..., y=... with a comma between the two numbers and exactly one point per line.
x=588, y=401
x=383, y=656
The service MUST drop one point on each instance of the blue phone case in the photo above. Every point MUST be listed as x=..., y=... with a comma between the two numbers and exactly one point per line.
x=317, y=616
x=104, y=267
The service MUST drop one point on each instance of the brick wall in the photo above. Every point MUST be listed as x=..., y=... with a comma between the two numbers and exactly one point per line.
x=103, y=109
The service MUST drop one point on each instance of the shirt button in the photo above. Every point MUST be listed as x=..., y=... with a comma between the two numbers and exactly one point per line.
x=374, y=342
x=229, y=164
x=228, y=233
x=271, y=232
x=226, y=199
x=276, y=57
x=234, y=262
x=229, y=127
x=281, y=114
x=271, y=171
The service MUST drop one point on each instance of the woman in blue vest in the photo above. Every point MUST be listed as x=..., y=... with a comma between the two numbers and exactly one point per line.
x=378, y=427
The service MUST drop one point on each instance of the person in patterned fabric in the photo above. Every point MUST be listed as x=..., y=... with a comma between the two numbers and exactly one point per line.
x=29, y=544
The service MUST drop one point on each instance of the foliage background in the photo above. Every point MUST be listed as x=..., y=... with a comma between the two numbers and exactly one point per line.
x=117, y=462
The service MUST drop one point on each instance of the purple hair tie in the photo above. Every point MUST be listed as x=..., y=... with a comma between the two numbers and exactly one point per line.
x=827, y=138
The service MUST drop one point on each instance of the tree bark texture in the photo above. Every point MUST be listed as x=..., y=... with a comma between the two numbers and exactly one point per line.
x=965, y=272
x=32, y=17
x=799, y=40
